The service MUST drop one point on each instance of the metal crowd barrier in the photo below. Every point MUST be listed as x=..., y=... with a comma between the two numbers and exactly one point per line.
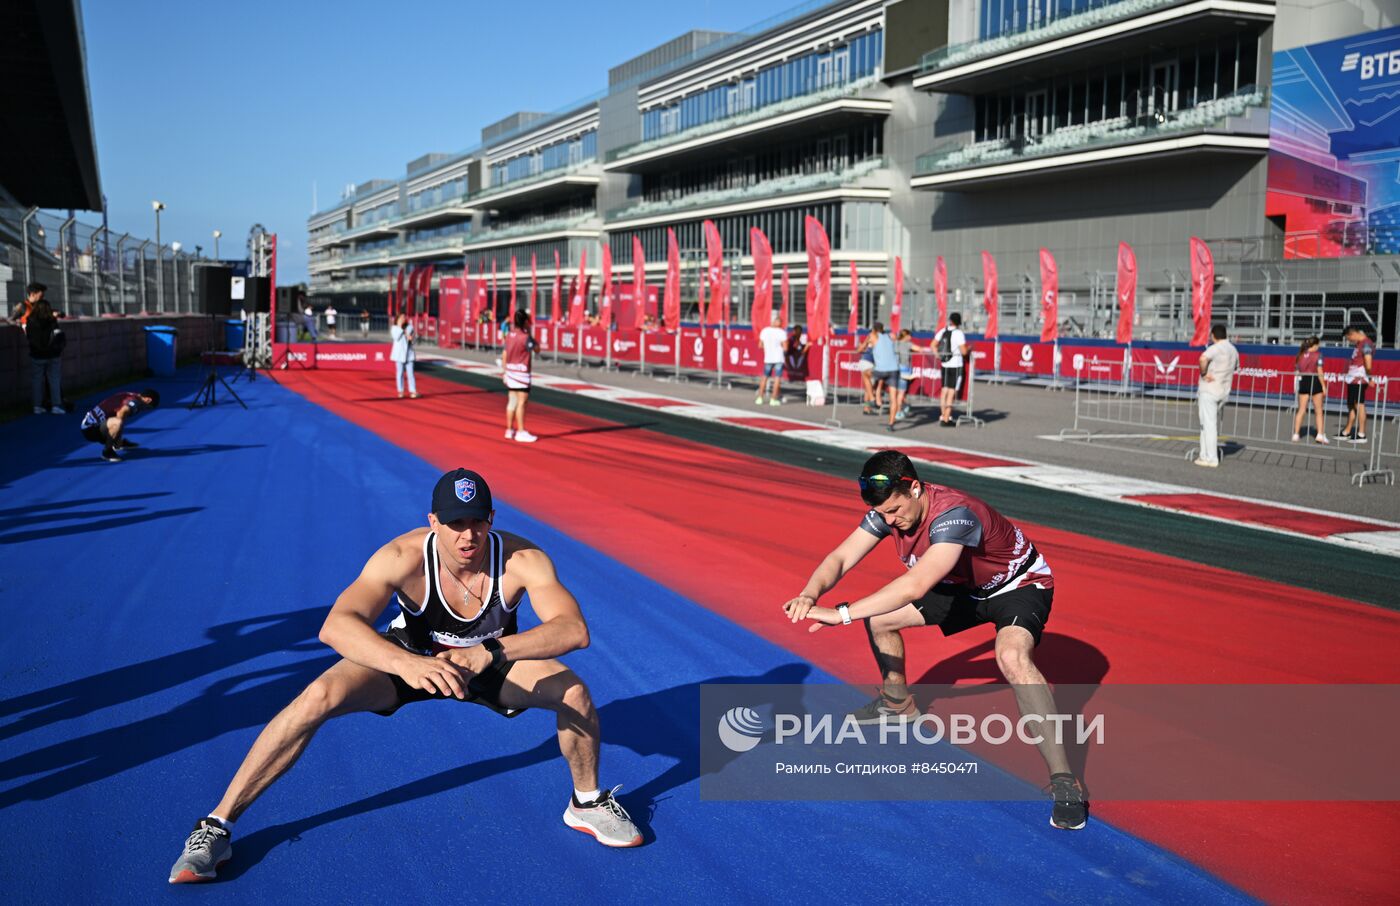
x=1260, y=409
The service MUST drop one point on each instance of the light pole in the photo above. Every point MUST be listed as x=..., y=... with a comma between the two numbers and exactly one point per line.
x=24, y=225
x=217, y=234
x=175, y=274
x=159, y=206
x=63, y=232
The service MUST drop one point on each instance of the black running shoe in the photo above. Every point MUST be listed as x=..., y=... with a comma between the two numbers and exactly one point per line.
x=110, y=455
x=125, y=444
x=1071, y=810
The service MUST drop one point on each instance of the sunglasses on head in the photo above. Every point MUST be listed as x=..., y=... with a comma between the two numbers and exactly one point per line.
x=880, y=482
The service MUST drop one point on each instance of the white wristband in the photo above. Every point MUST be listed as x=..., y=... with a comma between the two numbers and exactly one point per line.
x=845, y=611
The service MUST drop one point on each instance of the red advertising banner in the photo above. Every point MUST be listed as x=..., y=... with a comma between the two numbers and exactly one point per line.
x=661, y=348
x=1202, y=290
x=341, y=356
x=853, y=322
x=786, y=297
x=451, y=296
x=714, y=252
x=698, y=350
x=605, y=311
x=1029, y=359
x=940, y=292
x=639, y=283
x=762, y=312
x=577, y=292
x=989, y=294
x=897, y=301
x=1049, y=298
x=672, y=313
x=1091, y=363
x=1126, y=291
x=555, y=303
x=818, y=280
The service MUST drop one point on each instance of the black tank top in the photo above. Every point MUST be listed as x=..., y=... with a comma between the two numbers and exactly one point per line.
x=436, y=625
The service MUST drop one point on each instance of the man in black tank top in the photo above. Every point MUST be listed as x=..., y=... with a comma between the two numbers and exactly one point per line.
x=457, y=585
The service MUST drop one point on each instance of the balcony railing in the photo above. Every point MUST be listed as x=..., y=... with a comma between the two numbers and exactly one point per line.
x=820, y=93
x=528, y=229
x=542, y=176
x=957, y=155
x=1087, y=14
x=769, y=188
x=456, y=201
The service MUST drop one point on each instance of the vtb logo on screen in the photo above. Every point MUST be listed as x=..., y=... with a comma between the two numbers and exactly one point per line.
x=1373, y=65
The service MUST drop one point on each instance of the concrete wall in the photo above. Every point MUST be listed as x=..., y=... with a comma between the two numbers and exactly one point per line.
x=1302, y=22
x=100, y=351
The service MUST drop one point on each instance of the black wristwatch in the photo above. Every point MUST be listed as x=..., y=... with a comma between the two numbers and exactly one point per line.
x=498, y=653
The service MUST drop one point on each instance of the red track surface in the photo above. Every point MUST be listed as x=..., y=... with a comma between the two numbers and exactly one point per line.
x=740, y=535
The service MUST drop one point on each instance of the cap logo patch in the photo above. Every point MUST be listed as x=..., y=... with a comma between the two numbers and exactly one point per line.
x=466, y=490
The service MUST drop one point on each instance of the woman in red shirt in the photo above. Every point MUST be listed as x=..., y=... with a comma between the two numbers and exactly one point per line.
x=1311, y=388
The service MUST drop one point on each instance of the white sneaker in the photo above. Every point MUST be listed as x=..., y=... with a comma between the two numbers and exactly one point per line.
x=1359, y=439
x=57, y=410
x=510, y=434
x=1207, y=464
x=1322, y=439
x=604, y=820
x=758, y=401
x=775, y=402
x=525, y=437
x=38, y=410
x=1296, y=438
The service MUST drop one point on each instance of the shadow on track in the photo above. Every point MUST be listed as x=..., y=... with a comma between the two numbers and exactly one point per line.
x=665, y=722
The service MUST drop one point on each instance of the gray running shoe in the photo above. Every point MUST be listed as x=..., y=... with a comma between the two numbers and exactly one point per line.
x=206, y=848
x=883, y=709
x=605, y=819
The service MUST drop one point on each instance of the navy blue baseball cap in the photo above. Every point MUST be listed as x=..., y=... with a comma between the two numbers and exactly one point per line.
x=461, y=494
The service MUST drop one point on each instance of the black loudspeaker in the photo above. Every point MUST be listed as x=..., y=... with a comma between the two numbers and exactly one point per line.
x=215, y=284
x=256, y=292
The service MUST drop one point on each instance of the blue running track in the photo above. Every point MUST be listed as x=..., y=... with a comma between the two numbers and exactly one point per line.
x=162, y=610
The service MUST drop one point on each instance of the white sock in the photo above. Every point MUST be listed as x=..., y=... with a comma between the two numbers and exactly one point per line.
x=228, y=825
x=583, y=797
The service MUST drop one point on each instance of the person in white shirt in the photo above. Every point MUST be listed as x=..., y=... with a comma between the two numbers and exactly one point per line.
x=772, y=339
x=402, y=355
x=330, y=320
x=1219, y=363
x=950, y=344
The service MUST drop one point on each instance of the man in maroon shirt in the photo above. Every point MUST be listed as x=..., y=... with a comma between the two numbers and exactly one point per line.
x=105, y=422
x=967, y=565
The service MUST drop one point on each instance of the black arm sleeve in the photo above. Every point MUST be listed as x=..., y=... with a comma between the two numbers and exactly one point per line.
x=875, y=524
x=958, y=526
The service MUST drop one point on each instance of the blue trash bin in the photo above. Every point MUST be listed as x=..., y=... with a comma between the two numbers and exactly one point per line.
x=160, y=350
x=233, y=335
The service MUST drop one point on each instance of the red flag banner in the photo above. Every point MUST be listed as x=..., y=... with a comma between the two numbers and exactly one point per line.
x=639, y=282
x=989, y=294
x=577, y=292
x=762, y=313
x=605, y=306
x=1202, y=290
x=940, y=291
x=1049, y=298
x=398, y=296
x=818, y=280
x=428, y=290
x=897, y=305
x=853, y=323
x=672, y=306
x=494, y=310
x=714, y=251
x=556, y=303
x=783, y=317
x=723, y=296
x=1127, y=291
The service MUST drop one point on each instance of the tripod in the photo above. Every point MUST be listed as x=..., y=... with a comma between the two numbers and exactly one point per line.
x=206, y=396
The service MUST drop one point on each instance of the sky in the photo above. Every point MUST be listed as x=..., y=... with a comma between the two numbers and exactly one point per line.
x=230, y=112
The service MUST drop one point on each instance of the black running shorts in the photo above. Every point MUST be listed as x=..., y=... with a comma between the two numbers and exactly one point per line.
x=483, y=689
x=952, y=378
x=1027, y=607
x=1308, y=384
x=1356, y=393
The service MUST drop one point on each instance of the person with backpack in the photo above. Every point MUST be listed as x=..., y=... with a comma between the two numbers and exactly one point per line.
x=951, y=346
x=46, y=342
